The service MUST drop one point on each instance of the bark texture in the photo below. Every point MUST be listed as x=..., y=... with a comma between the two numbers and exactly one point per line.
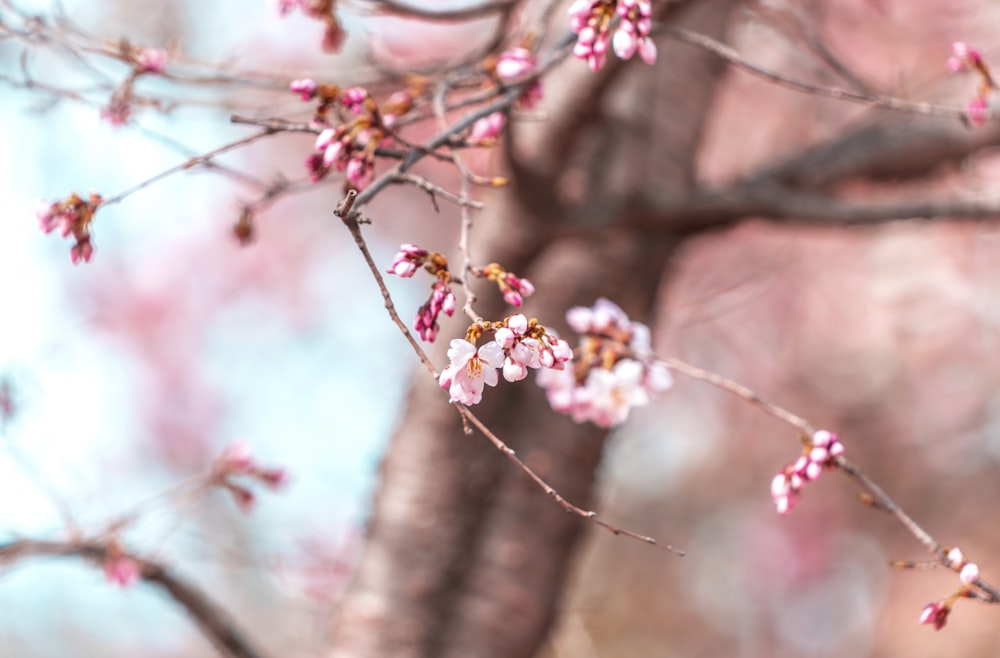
x=465, y=557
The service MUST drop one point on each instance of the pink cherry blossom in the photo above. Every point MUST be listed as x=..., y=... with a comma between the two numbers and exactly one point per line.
x=354, y=99
x=963, y=57
x=515, y=63
x=442, y=300
x=786, y=487
x=151, y=60
x=969, y=573
x=306, y=88
x=976, y=110
x=955, y=558
x=488, y=129
x=935, y=614
x=407, y=260
x=470, y=370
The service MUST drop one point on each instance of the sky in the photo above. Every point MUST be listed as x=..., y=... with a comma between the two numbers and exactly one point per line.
x=299, y=385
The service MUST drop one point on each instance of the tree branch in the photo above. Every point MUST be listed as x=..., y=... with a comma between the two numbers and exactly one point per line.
x=209, y=617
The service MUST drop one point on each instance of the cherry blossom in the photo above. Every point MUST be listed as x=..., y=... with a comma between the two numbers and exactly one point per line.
x=615, y=369
x=442, y=299
x=632, y=34
x=354, y=99
x=963, y=57
x=470, y=370
x=516, y=63
x=590, y=20
x=488, y=129
x=818, y=454
x=151, y=60
x=935, y=614
x=407, y=260
x=237, y=462
x=305, y=87
x=71, y=217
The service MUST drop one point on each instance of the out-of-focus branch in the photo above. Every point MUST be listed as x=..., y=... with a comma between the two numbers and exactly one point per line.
x=407, y=10
x=873, y=100
x=210, y=618
x=879, y=498
x=717, y=209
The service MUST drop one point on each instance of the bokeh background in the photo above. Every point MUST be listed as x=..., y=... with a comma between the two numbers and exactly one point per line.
x=135, y=371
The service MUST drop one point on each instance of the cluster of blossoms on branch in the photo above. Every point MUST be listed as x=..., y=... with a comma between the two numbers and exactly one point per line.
x=936, y=613
x=614, y=369
x=71, y=217
x=818, y=454
x=352, y=127
x=411, y=258
x=230, y=471
x=235, y=466
x=592, y=19
x=518, y=344
x=405, y=264
x=963, y=58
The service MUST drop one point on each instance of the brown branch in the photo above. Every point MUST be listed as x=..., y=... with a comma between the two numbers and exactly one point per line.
x=587, y=515
x=463, y=14
x=209, y=617
x=189, y=164
x=879, y=498
x=345, y=211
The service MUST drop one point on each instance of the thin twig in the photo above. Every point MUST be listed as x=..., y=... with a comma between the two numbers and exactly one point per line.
x=345, y=211
x=189, y=164
x=874, y=100
x=587, y=515
x=880, y=499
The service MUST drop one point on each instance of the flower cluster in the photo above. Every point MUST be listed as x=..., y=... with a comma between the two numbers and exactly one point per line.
x=513, y=288
x=819, y=452
x=237, y=461
x=320, y=10
x=405, y=263
x=591, y=20
x=71, y=216
x=518, y=344
x=348, y=142
x=964, y=58
x=614, y=370
x=936, y=613
x=442, y=299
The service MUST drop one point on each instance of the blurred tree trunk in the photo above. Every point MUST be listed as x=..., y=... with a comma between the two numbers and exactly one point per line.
x=465, y=557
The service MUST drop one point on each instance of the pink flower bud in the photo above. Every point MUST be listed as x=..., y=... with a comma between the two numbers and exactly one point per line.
x=969, y=573
x=504, y=337
x=955, y=557
x=819, y=455
x=935, y=614
x=305, y=88
x=122, y=571
x=812, y=471
x=152, y=60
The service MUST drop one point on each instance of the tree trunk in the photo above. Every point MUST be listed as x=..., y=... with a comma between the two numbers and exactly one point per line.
x=465, y=557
